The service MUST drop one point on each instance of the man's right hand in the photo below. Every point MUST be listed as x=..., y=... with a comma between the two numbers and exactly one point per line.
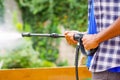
x=89, y=41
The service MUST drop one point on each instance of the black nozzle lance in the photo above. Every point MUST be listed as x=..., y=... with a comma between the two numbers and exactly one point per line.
x=53, y=35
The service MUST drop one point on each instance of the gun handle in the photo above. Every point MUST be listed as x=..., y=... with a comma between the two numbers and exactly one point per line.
x=88, y=53
x=77, y=36
x=92, y=52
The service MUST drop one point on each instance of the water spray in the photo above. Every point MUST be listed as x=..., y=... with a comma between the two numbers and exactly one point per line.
x=9, y=39
x=78, y=37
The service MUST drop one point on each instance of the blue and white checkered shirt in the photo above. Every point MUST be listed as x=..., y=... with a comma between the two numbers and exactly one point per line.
x=108, y=54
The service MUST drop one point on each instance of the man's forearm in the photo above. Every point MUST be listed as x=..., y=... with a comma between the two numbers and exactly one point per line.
x=110, y=32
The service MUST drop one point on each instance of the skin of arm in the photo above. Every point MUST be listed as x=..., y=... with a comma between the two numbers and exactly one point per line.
x=92, y=41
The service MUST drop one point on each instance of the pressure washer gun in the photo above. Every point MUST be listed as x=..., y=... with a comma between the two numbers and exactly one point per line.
x=78, y=37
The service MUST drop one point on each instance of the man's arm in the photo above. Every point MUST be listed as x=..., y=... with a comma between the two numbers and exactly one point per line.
x=92, y=41
x=110, y=32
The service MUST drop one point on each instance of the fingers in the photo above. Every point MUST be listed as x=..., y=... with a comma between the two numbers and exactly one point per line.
x=69, y=37
x=86, y=47
x=66, y=32
x=86, y=42
x=89, y=42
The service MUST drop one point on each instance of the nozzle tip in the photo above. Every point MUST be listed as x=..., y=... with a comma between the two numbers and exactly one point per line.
x=27, y=34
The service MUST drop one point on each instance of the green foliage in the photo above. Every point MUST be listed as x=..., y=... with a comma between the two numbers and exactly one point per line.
x=63, y=63
x=70, y=13
x=24, y=57
x=18, y=25
x=1, y=10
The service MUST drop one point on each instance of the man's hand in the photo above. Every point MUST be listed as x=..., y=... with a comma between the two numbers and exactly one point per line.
x=69, y=37
x=89, y=41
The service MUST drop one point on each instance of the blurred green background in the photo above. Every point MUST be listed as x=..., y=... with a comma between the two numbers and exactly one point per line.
x=43, y=16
